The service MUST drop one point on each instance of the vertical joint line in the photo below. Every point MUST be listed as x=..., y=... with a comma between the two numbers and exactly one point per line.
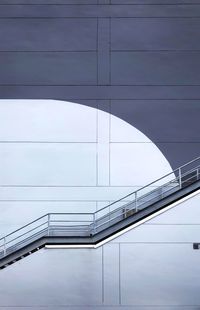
x=109, y=138
x=109, y=50
x=120, y=298
x=97, y=50
x=103, y=275
x=97, y=138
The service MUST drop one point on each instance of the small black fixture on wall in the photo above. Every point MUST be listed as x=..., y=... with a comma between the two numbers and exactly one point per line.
x=196, y=246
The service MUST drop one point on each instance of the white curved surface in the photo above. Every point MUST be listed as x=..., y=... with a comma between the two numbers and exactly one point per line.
x=152, y=265
x=95, y=156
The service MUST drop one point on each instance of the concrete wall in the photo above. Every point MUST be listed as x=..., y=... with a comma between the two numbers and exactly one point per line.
x=138, y=59
x=152, y=266
x=64, y=157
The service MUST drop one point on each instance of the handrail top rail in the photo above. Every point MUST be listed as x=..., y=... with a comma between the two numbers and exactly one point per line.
x=43, y=216
x=96, y=212
x=149, y=184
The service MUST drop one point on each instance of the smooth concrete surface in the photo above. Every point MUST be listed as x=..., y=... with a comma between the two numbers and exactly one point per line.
x=66, y=157
x=153, y=266
x=102, y=51
x=71, y=52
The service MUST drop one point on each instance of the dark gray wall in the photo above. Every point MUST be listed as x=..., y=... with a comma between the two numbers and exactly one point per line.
x=139, y=59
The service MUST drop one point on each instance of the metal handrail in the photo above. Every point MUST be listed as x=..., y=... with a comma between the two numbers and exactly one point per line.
x=13, y=232
x=124, y=211
x=151, y=183
x=143, y=196
x=94, y=223
x=41, y=217
x=25, y=233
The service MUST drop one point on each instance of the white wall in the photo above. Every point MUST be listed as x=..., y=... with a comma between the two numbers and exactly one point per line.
x=61, y=157
x=150, y=267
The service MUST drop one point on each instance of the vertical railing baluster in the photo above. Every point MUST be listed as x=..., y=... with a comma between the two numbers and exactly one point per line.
x=180, y=177
x=124, y=212
x=4, y=246
x=94, y=223
x=136, y=202
x=162, y=191
x=48, y=229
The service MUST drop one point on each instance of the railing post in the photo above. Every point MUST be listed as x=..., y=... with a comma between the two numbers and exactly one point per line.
x=161, y=192
x=94, y=223
x=180, y=177
x=48, y=229
x=4, y=246
x=136, y=202
x=124, y=212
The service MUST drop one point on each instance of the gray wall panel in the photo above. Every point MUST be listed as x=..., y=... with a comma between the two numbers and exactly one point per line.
x=147, y=2
x=81, y=2
x=103, y=51
x=27, y=2
x=155, y=25
x=76, y=93
x=173, y=27
x=171, y=125
x=187, y=151
x=61, y=11
x=109, y=308
x=155, y=68
x=155, y=34
x=48, y=35
x=155, y=275
x=48, y=68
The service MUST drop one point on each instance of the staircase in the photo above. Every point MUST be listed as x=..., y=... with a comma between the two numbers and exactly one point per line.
x=92, y=228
